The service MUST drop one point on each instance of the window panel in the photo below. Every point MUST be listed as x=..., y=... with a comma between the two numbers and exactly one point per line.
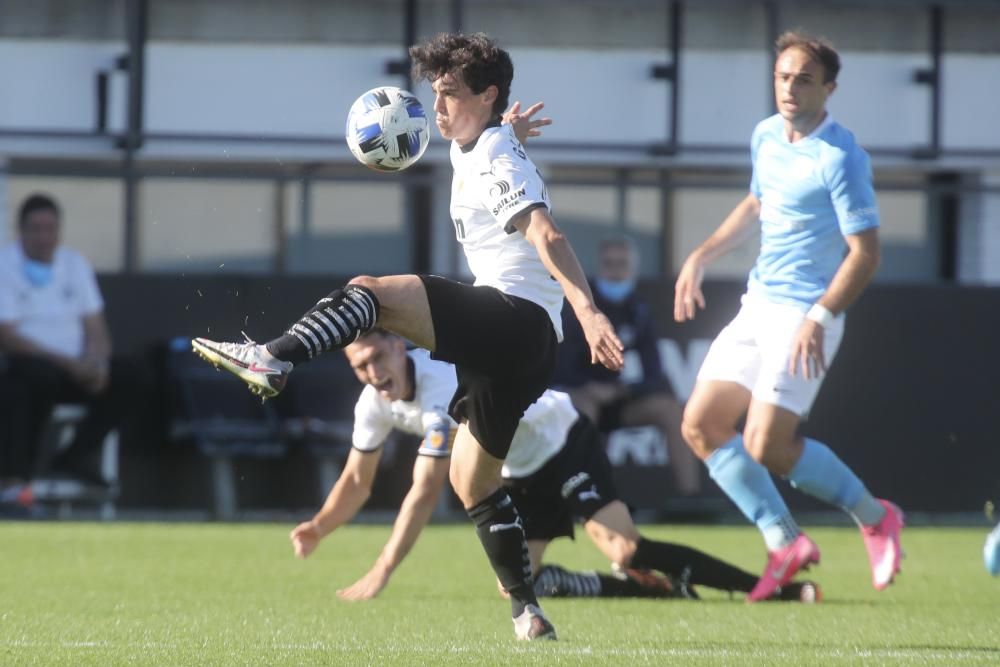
x=209, y=225
x=697, y=212
x=352, y=228
x=643, y=222
x=586, y=214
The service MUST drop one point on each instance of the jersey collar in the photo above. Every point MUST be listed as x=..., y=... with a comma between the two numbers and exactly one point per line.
x=472, y=144
x=823, y=124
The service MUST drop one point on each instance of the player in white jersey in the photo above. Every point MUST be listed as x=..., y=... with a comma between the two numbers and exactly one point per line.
x=501, y=333
x=812, y=193
x=556, y=471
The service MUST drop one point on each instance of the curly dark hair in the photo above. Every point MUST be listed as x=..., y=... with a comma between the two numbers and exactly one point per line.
x=476, y=59
x=818, y=49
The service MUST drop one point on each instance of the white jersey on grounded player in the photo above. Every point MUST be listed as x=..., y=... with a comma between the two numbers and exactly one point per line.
x=540, y=435
x=494, y=181
x=426, y=415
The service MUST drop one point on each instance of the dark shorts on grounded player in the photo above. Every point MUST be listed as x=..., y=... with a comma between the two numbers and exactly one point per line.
x=504, y=351
x=572, y=486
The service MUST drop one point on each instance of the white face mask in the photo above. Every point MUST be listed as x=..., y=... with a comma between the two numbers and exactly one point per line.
x=39, y=274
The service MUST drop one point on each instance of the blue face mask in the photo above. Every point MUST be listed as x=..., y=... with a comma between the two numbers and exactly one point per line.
x=615, y=291
x=38, y=274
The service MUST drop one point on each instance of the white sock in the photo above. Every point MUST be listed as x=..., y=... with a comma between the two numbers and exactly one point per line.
x=781, y=533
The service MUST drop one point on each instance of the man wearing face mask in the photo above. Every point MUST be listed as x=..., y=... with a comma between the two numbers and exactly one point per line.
x=639, y=394
x=55, y=344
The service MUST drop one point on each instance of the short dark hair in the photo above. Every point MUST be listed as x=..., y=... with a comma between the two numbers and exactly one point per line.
x=376, y=331
x=618, y=241
x=36, y=202
x=819, y=49
x=476, y=59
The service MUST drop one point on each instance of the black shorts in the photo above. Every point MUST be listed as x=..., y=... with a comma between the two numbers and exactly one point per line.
x=572, y=486
x=504, y=351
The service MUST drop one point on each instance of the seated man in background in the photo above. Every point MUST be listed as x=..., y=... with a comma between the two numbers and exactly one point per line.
x=556, y=472
x=640, y=394
x=56, y=347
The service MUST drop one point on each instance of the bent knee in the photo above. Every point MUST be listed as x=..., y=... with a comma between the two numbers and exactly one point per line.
x=702, y=436
x=369, y=282
x=472, y=491
x=777, y=454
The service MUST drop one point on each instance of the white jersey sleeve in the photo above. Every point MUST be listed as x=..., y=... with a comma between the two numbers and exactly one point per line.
x=436, y=385
x=510, y=183
x=372, y=422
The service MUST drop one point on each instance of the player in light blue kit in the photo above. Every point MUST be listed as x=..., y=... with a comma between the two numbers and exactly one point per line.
x=812, y=193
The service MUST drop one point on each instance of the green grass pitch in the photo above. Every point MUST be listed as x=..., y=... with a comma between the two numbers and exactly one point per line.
x=216, y=594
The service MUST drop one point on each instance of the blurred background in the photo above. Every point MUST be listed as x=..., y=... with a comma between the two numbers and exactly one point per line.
x=197, y=151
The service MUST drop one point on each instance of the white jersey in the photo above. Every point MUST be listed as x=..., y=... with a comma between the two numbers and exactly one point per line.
x=52, y=315
x=494, y=181
x=541, y=434
x=426, y=415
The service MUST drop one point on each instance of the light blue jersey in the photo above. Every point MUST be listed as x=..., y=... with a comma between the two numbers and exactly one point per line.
x=812, y=193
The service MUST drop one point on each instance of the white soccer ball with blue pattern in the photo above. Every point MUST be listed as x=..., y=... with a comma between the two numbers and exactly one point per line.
x=387, y=129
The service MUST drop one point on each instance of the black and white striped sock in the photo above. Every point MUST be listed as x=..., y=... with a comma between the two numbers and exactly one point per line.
x=332, y=324
x=554, y=581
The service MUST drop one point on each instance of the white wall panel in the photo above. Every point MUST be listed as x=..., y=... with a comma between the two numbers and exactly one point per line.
x=970, y=102
x=877, y=99
x=258, y=89
x=51, y=85
x=724, y=95
x=595, y=96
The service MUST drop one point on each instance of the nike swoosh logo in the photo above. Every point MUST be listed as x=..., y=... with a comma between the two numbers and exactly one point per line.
x=254, y=368
x=779, y=571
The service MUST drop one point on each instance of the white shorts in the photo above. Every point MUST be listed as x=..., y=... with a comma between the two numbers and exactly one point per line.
x=753, y=350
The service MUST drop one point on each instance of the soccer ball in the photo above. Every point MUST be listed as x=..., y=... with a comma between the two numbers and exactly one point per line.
x=387, y=129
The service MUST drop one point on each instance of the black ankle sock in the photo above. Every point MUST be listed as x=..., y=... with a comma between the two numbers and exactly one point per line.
x=691, y=566
x=332, y=324
x=502, y=534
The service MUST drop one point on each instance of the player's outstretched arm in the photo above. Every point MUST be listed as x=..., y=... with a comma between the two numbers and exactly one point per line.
x=522, y=122
x=348, y=495
x=558, y=257
x=429, y=476
x=854, y=274
x=733, y=231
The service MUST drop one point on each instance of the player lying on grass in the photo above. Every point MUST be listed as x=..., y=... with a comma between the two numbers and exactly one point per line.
x=556, y=471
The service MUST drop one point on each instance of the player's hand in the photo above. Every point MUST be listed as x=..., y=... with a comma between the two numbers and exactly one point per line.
x=305, y=538
x=687, y=291
x=98, y=376
x=367, y=586
x=605, y=348
x=87, y=373
x=524, y=126
x=807, y=351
